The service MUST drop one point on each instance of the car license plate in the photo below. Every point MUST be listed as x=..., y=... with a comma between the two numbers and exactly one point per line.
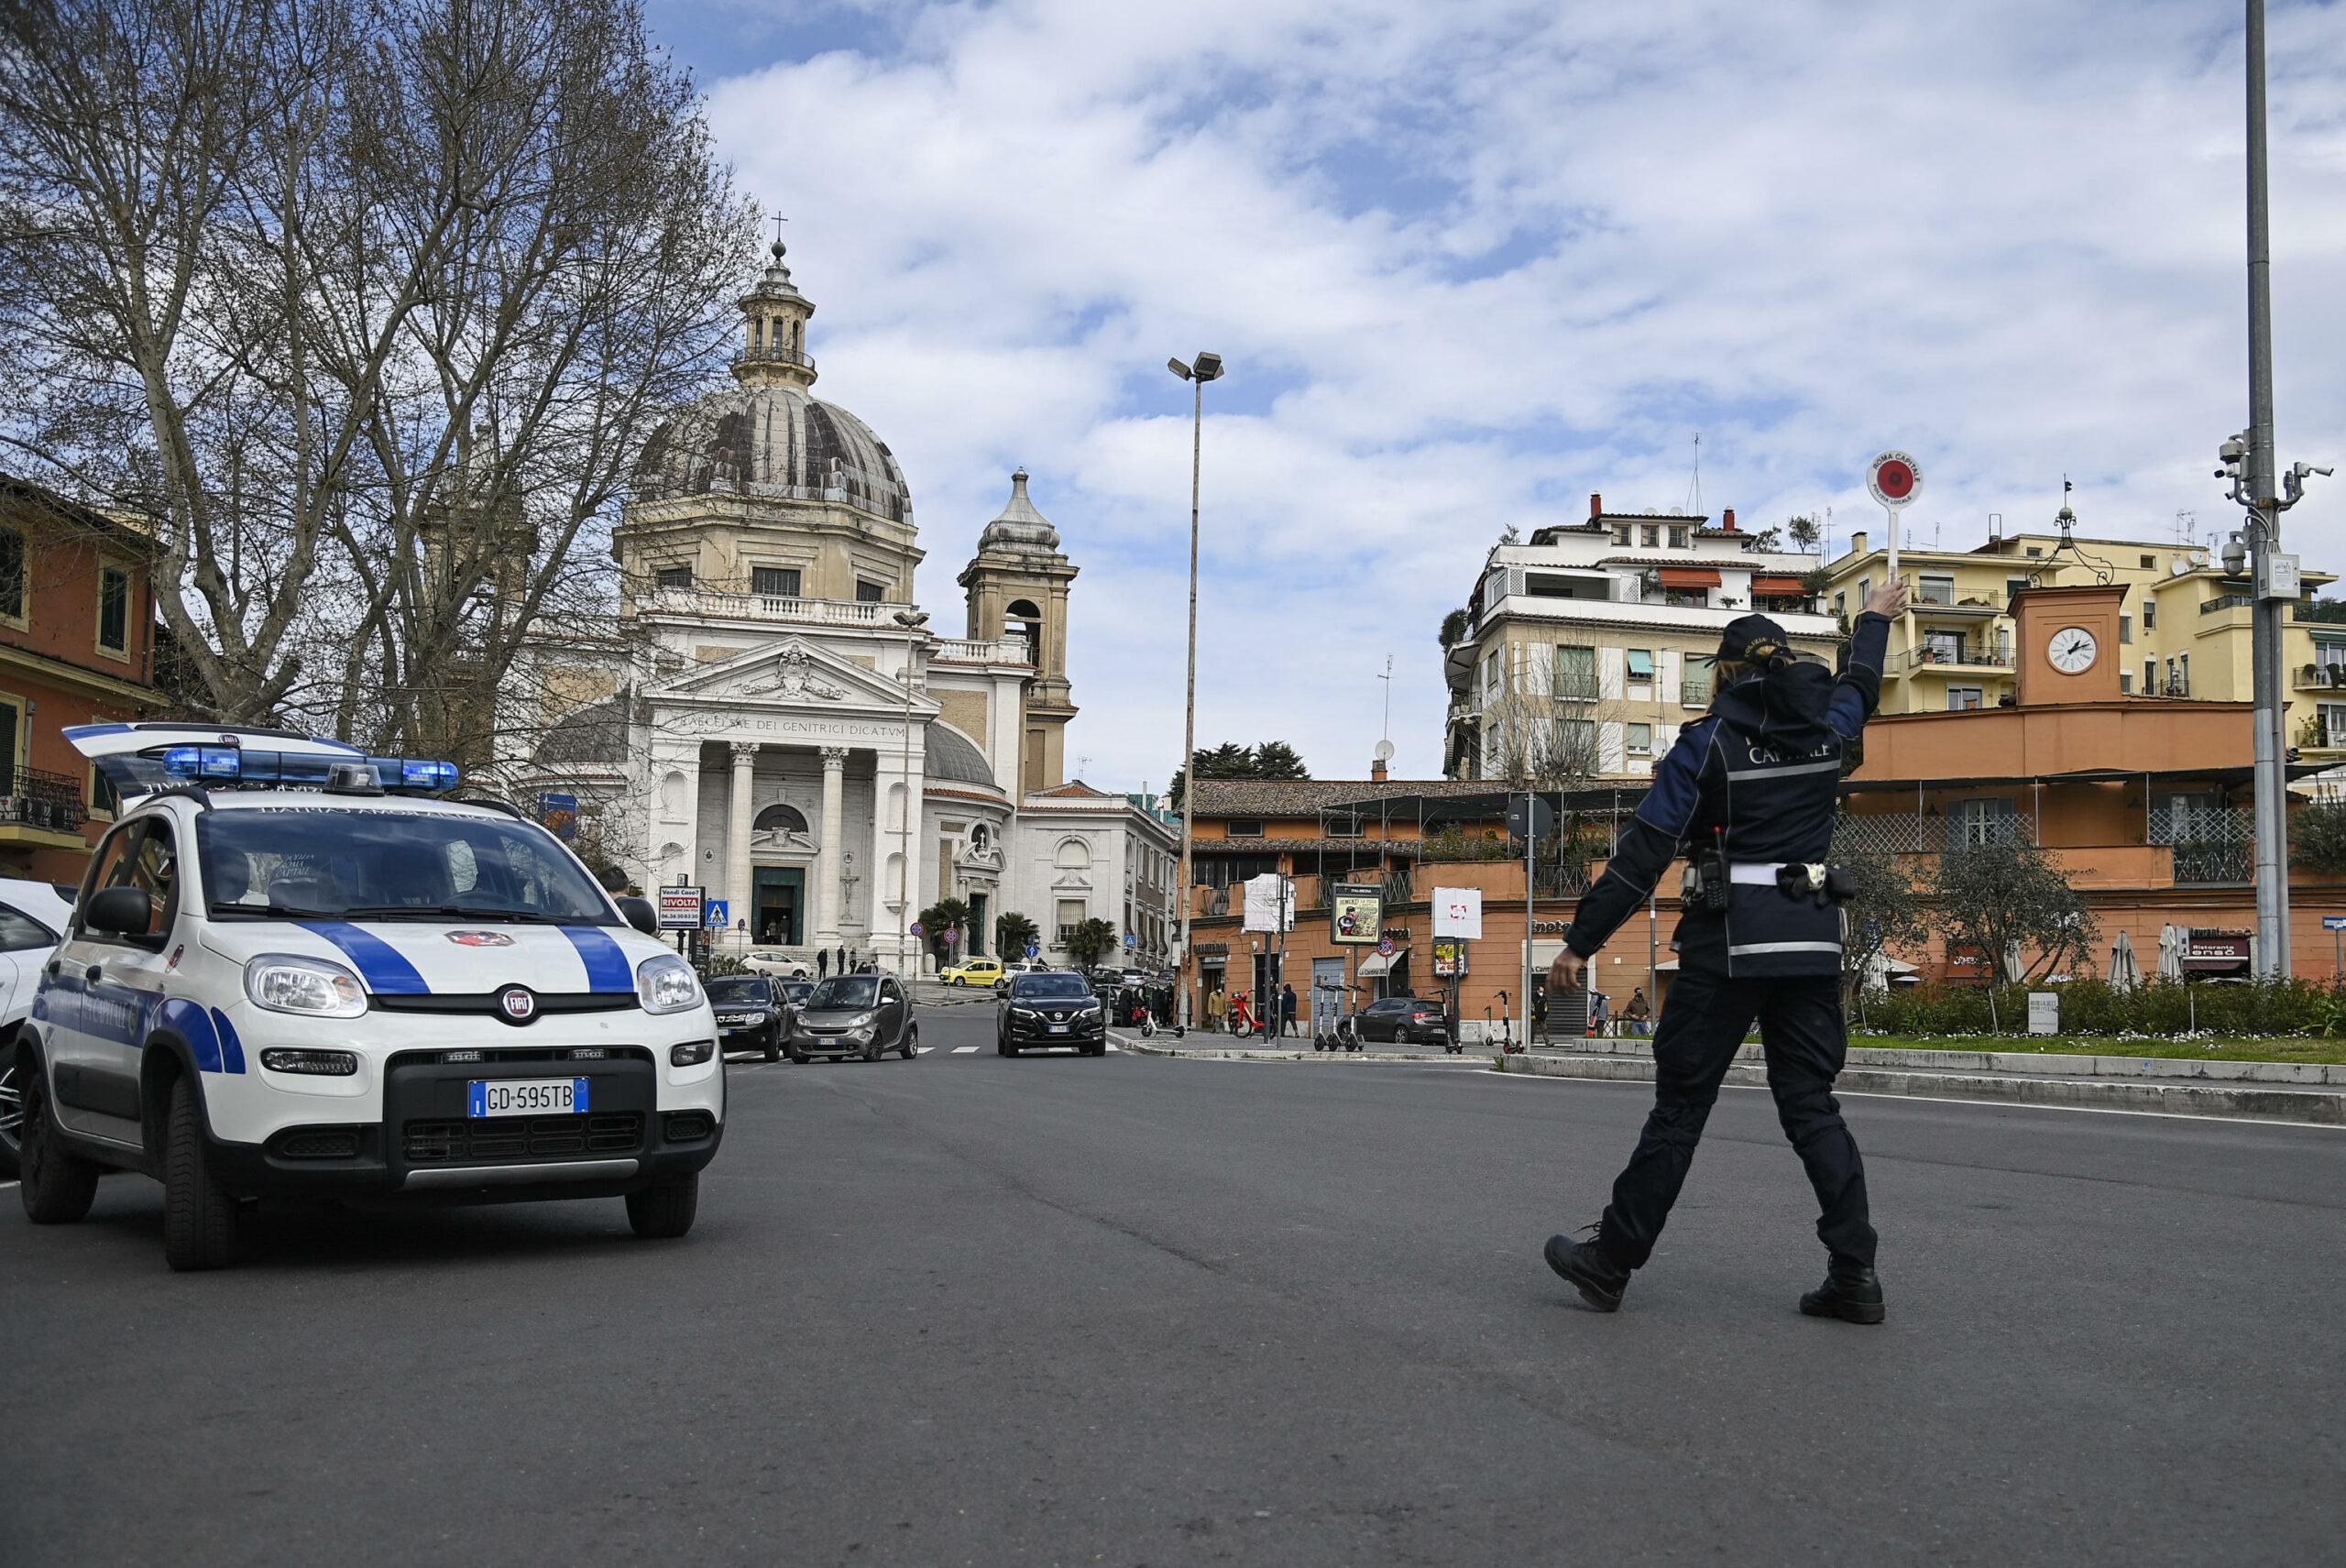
x=1058, y=1028
x=527, y=1097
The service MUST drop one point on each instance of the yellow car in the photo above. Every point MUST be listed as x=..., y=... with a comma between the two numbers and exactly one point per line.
x=973, y=971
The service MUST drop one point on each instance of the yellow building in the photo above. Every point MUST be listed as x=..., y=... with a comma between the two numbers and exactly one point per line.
x=2183, y=635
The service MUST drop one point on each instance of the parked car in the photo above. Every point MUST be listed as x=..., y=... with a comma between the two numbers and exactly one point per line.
x=773, y=961
x=853, y=1014
x=973, y=971
x=1403, y=1020
x=1051, y=1009
x=33, y=915
x=752, y=1012
x=1015, y=968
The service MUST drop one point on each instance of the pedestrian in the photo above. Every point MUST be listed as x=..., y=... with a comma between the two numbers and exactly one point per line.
x=842, y=958
x=1600, y=1012
x=1749, y=793
x=1287, y=1010
x=822, y=962
x=1217, y=1006
x=1637, y=1013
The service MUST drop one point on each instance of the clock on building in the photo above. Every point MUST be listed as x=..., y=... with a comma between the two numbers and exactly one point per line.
x=2072, y=650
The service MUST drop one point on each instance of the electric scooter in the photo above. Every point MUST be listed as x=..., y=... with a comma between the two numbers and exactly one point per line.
x=1508, y=1045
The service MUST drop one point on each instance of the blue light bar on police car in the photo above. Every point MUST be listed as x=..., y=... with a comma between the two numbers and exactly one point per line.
x=233, y=765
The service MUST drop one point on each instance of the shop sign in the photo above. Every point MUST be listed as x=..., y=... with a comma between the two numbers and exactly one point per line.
x=1449, y=957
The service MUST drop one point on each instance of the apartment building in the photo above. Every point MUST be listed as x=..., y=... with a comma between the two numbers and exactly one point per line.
x=1584, y=649
x=2182, y=632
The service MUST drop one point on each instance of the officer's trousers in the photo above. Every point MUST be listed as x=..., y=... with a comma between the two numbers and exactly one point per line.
x=1702, y=1022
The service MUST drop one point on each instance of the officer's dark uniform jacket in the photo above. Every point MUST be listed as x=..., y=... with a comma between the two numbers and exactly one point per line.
x=1758, y=777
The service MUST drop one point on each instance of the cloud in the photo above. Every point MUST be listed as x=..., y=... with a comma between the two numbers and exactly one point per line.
x=1469, y=262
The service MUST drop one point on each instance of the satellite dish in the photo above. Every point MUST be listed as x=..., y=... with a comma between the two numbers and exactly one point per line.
x=2182, y=564
x=1385, y=750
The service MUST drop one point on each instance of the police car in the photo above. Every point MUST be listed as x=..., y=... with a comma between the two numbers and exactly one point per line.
x=297, y=970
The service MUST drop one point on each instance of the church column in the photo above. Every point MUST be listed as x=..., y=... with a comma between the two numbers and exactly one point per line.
x=827, y=849
x=737, y=833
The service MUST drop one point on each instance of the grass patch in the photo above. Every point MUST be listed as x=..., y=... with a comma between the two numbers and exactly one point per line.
x=2274, y=1047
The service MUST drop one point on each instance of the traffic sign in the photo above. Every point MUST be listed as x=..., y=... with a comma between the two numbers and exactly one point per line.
x=717, y=914
x=1131, y=940
x=1033, y=949
x=915, y=927
x=1385, y=948
x=2333, y=921
x=1894, y=479
x=1529, y=816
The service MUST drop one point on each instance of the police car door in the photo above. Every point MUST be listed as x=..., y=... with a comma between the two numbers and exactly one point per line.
x=99, y=985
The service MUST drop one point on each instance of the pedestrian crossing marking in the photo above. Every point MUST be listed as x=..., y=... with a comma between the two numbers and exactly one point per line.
x=965, y=1050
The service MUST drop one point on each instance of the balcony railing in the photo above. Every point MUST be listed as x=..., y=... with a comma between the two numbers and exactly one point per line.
x=1923, y=833
x=970, y=651
x=2211, y=843
x=773, y=356
x=2332, y=676
x=766, y=607
x=1947, y=656
x=34, y=797
x=2227, y=601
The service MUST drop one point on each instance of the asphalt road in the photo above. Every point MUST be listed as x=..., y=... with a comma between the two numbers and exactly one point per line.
x=1131, y=1310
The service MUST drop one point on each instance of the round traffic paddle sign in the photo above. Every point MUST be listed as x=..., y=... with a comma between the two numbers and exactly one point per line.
x=1894, y=479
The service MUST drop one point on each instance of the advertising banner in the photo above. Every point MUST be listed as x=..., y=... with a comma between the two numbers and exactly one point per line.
x=1270, y=904
x=1449, y=957
x=1356, y=912
x=559, y=815
x=680, y=908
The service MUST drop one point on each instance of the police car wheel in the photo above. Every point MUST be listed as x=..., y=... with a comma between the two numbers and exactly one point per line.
x=665, y=1208
x=199, y=1215
x=59, y=1185
x=12, y=1114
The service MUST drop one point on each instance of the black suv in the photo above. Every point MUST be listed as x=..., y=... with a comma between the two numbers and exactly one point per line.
x=752, y=1013
x=1054, y=1008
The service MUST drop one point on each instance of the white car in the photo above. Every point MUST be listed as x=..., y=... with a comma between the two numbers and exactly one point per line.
x=770, y=961
x=32, y=916
x=284, y=979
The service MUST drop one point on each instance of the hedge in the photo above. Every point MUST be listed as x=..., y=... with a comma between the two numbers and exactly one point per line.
x=2165, y=1008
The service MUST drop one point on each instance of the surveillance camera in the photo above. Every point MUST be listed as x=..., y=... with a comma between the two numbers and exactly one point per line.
x=2233, y=451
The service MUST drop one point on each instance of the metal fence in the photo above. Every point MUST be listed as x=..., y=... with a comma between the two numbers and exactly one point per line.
x=1922, y=833
x=37, y=798
x=2211, y=843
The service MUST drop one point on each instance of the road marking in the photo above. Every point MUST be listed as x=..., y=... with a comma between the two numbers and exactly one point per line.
x=922, y=1050
x=965, y=1050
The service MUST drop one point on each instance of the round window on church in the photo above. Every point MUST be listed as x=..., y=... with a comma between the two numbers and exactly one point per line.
x=787, y=819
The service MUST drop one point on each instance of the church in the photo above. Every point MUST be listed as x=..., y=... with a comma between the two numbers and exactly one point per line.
x=770, y=717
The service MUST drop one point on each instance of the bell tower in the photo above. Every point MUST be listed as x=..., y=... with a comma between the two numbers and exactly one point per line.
x=774, y=317
x=1017, y=586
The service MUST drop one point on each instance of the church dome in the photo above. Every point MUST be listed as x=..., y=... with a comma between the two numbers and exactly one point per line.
x=1020, y=527
x=952, y=758
x=768, y=436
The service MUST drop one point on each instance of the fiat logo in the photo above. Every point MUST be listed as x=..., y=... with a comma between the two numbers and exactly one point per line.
x=517, y=1005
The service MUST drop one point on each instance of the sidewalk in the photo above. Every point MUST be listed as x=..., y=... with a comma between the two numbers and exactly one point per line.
x=2311, y=1092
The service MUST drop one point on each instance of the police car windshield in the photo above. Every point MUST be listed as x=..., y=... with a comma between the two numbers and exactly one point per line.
x=290, y=862
x=1049, y=985
x=845, y=991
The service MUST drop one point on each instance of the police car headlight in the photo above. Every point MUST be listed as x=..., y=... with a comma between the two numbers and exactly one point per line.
x=315, y=988
x=665, y=984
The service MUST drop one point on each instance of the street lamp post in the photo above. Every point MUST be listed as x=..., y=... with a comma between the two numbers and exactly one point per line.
x=912, y=621
x=1204, y=369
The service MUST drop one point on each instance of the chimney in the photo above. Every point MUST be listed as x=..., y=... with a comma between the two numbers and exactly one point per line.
x=1596, y=505
x=1729, y=523
x=1857, y=543
x=1376, y=771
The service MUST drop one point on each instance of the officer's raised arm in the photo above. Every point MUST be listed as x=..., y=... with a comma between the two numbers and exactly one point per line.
x=1652, y=839
x=1859, y=691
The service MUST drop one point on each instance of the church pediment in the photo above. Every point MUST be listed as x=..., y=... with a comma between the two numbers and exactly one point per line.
x=793, y=672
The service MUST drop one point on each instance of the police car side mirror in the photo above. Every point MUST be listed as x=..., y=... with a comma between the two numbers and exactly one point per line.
x=641, y=914
x=119, y=912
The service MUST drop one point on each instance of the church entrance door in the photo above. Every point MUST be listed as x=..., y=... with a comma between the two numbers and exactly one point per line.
x=779, y=903
x=976, y=947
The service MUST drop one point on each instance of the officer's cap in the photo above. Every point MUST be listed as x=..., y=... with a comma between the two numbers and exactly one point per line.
x=1751, y=640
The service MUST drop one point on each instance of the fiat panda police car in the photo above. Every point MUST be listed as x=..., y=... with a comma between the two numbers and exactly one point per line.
x=297, y=970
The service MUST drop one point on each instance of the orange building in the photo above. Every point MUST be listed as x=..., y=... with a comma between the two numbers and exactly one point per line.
x=77, y=646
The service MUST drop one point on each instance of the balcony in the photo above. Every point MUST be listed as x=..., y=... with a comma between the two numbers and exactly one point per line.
x=41, y=809
x=2323, y=677
x=773, y=356
x=1959, y=658
x=724, y=603
x=2212, y=844
x=1010, y=651
x=1965, y=609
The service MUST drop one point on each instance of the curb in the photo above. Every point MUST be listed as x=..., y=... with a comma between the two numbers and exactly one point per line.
x=2321, y=1107
x=2035, y=1064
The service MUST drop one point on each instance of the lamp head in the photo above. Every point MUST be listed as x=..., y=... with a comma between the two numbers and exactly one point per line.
x=1178, y=369
x=1209, y=366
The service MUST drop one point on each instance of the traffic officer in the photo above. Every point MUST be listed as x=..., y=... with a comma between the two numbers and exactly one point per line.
x=1748, y=796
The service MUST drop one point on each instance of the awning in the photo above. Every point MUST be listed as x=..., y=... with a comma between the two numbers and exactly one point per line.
x=1769, y=583
x=1376, y=966
x=1689, y=576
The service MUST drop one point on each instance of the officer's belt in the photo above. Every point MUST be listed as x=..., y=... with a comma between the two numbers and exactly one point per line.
x=1761, y=874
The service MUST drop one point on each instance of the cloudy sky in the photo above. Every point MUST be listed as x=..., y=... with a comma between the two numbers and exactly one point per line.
x=1471, y=260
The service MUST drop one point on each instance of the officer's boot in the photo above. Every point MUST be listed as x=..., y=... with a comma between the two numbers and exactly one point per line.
x=1850, y=1293
x=1597, y=1277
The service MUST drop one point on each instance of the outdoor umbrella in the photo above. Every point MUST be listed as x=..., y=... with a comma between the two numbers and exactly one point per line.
x=2170, y=952
x=2125, y=969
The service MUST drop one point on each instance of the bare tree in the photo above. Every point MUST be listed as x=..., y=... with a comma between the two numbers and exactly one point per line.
x=368, y=304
